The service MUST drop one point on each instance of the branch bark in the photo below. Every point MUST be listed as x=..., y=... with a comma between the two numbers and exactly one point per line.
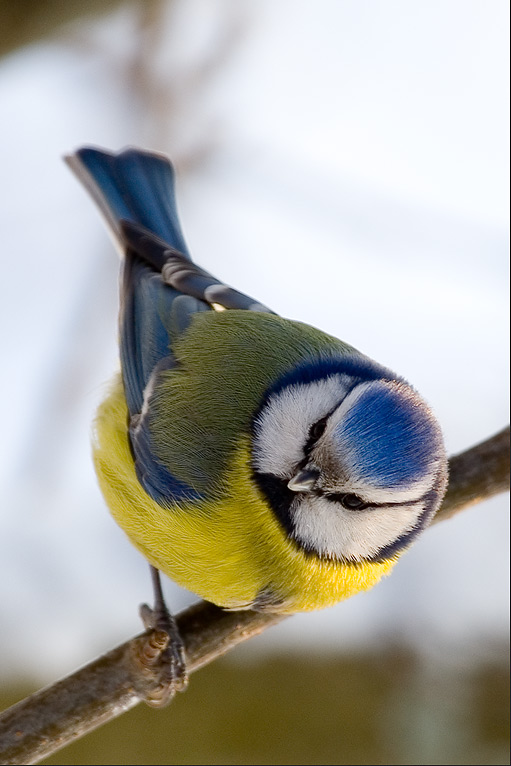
x=477, y=474
x=50, y=719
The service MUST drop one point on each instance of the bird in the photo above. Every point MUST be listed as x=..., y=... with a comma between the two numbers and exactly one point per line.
x=255, y=460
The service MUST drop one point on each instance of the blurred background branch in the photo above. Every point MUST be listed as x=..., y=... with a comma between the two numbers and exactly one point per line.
x=29, y=21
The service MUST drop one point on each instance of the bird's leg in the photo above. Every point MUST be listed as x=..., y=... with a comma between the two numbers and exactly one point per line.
x=165, y=651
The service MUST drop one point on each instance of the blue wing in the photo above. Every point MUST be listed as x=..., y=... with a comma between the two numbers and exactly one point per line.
x=137, y=188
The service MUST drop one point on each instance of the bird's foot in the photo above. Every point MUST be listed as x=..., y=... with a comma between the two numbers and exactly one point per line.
x=161, y=657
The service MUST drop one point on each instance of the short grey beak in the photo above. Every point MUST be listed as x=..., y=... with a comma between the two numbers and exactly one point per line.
x=304, y=481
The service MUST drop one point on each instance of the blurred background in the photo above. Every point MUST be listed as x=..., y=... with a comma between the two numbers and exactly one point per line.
x=345, y=162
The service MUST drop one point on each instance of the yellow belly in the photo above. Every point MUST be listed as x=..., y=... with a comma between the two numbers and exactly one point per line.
x=228, y=550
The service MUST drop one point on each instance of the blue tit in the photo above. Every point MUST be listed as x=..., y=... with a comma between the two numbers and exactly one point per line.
x=257, y=461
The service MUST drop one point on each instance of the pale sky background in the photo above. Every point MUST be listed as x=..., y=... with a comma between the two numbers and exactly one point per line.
x=346, y=163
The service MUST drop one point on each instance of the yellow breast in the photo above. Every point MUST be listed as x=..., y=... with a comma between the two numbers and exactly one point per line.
x=226, y=550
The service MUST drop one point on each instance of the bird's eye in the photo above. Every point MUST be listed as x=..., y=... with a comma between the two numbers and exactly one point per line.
x=353, y=502
x=349, y=501
x=317, y=430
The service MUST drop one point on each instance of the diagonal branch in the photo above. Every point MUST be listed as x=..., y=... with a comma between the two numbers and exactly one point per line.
x=477, y=474
x=53, y=717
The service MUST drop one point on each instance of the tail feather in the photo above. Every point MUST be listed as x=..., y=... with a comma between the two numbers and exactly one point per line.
x=131, y=185
x=138, y=187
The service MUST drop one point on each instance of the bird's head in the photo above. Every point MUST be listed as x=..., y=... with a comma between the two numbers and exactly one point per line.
x=350, y=458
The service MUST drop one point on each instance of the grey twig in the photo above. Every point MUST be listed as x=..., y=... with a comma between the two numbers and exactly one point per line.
x=48, y=720
x=477, y=474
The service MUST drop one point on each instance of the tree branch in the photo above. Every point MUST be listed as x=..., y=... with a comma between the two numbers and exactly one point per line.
x=477, y=474
x=53, y=717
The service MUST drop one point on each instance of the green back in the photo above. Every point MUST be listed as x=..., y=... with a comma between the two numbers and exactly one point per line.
x=226, y=360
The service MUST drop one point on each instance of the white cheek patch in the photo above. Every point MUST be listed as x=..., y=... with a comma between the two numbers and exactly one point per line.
x=331, y=530
x=283, y=425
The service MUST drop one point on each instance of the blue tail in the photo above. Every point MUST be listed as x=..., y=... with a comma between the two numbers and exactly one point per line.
x=138, y=187
x=133, y=185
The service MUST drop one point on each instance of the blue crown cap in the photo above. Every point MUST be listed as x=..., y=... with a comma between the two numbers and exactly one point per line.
x=389, y=436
